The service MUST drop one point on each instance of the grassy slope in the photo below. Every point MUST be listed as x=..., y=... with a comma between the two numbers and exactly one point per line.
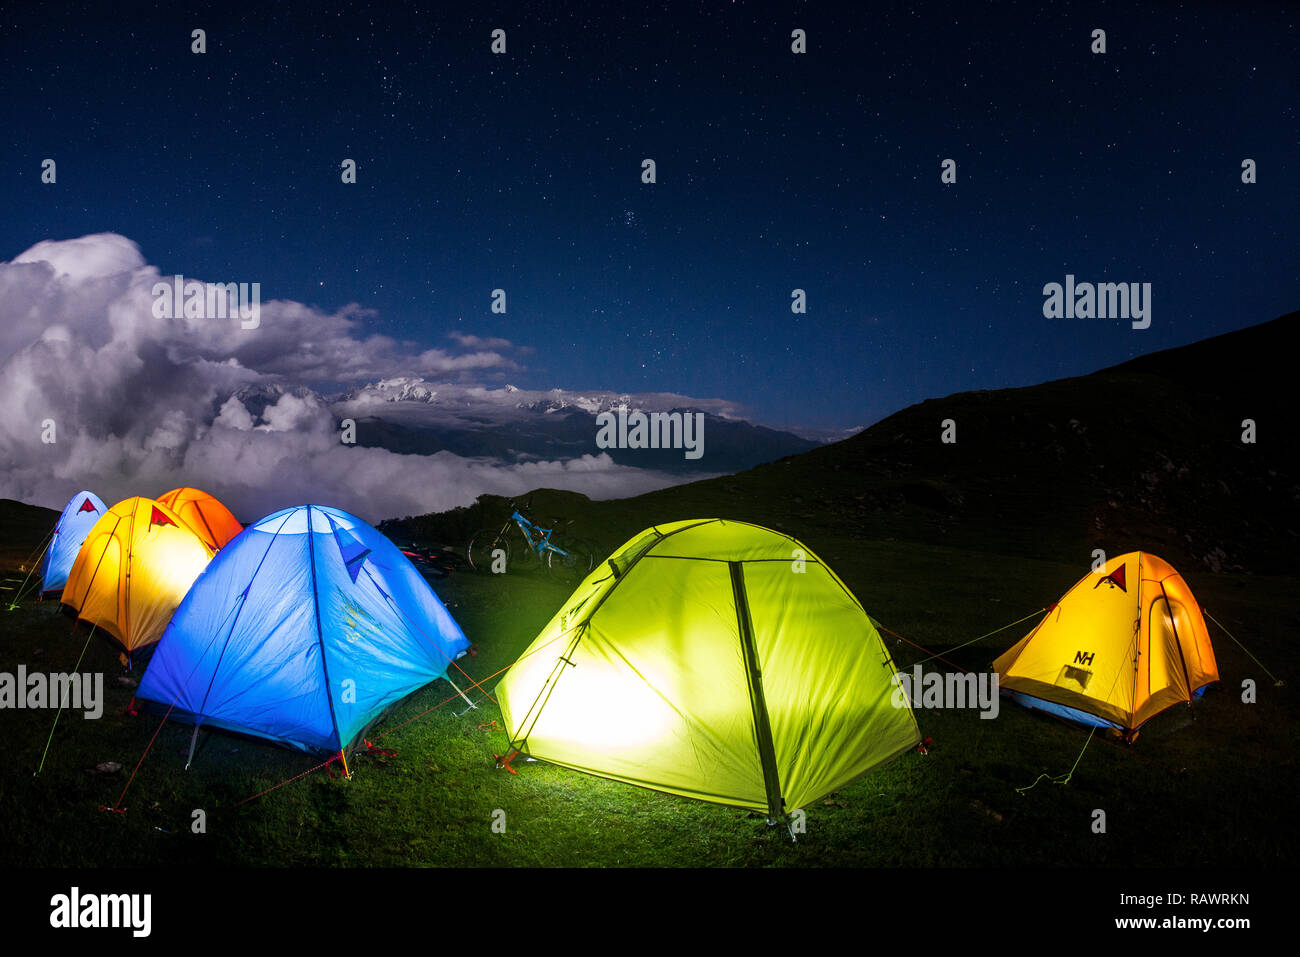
x=1209, y=790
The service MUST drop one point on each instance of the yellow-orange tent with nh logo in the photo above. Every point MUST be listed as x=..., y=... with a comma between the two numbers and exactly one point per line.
x=132, y=571
x=1122, y=645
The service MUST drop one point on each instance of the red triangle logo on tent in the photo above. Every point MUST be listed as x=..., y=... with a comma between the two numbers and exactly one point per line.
x=1116, y=578
x=86, y=507
x=158, y=518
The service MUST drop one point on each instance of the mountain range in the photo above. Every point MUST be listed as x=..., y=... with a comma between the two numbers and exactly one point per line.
x=413, y=416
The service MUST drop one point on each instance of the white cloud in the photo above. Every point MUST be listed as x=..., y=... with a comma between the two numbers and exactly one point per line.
x=142, y=404
x=478, y=342
x=90, y=257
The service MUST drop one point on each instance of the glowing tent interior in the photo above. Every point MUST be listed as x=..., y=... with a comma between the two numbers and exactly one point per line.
x=712, y=659
x=303, y=631
x=75, y=522
x=1125, y=643
x=133, y=569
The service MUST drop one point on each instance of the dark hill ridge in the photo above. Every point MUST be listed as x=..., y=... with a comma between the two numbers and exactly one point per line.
x=24, y=530
x=1146, y=454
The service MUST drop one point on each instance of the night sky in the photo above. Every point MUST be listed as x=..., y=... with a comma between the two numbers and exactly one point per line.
x=819, y=171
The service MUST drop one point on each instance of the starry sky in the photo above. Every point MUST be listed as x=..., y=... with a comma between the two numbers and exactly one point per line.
x=775, y=171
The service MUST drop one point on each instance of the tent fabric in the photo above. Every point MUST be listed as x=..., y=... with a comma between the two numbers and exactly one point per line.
x=1125, y=643
x=712, y=659
x=1061, y=711
x=206, y=517
x=75, y=522
x=303, y=631
x=133, y=569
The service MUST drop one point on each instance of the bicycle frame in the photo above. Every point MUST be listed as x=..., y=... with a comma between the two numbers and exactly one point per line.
x=526, y=528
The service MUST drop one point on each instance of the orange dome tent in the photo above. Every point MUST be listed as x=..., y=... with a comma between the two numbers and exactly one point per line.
x=204, y=514
x=1124, y=644
x=132, y=571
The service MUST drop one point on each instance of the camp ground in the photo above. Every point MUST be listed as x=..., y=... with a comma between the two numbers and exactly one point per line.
x=630, y=702
x=742, y=436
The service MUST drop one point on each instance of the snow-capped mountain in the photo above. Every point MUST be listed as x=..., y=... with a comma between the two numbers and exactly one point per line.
x=402, y=389
x=414, y=416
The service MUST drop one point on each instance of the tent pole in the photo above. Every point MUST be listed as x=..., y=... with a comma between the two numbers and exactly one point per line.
x=754, y=676
x=346, y=773
x=194, y=739
x=472, y=705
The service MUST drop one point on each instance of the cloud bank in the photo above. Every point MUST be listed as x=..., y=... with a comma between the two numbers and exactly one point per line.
x=137, y=405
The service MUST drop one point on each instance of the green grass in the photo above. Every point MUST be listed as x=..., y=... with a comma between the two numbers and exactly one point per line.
x=1208, y=786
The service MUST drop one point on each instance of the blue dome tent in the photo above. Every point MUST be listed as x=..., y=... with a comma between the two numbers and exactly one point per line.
x=303, y=630
x=77, y=519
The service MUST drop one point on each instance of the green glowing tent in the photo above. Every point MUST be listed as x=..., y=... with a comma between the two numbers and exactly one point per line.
x=716, y=660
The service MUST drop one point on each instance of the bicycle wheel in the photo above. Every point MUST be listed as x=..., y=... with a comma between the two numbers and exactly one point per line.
x=576, y=561
x=481, y=546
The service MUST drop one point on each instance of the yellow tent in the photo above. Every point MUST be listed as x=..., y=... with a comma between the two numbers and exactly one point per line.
x=1124, y=644
x=204, y=514
x=134, y=568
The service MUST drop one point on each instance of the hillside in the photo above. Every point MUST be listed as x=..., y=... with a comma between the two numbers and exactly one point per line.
x=1143, y=454
x=24, y=531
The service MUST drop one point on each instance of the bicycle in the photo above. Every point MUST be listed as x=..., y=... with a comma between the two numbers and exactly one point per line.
x=543, y=547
